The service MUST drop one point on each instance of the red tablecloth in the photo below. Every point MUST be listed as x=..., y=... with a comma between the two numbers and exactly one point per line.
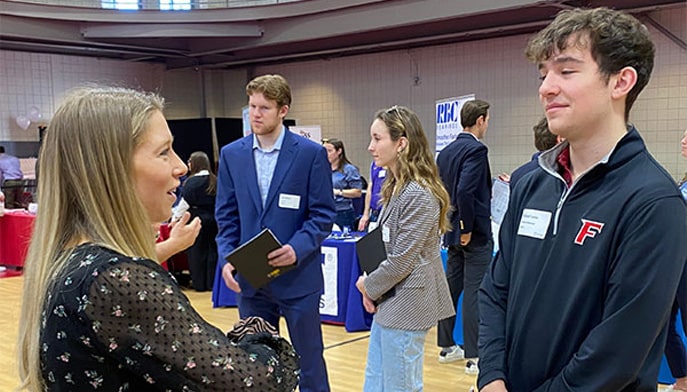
x=15, y=235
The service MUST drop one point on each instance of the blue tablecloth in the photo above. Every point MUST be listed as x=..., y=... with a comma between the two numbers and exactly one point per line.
x=350, y=312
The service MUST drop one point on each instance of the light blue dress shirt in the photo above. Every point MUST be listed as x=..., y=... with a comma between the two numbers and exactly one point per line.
x=265, y=162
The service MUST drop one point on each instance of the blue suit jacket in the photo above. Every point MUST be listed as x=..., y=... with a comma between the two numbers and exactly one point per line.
x=464, y=169
x=302, y=170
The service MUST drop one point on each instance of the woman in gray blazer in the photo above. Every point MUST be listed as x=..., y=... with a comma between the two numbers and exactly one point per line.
x=412, y=220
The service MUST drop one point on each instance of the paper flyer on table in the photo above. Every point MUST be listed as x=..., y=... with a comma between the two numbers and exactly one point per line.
x=500, y=193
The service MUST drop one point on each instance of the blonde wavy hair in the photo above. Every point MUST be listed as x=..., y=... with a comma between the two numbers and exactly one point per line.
x=415, y=162
x=86, y=194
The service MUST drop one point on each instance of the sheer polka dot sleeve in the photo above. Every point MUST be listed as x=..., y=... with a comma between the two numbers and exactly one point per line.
x=139, y=316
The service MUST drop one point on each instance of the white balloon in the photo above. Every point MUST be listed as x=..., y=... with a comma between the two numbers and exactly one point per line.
x=35, y=114
x=23, y=122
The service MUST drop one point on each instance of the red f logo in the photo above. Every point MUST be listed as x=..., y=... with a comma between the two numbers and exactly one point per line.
x=588, y=229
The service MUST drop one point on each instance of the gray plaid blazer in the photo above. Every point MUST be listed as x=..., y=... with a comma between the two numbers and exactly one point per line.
x=413, y=265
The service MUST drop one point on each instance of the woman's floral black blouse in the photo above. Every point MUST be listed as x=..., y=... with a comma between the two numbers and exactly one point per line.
x=113, y=323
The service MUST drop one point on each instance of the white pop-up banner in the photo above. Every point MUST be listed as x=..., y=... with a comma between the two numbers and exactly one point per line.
x=448, y=119
x=330, y=264
x=246, y=121
x=312, y=132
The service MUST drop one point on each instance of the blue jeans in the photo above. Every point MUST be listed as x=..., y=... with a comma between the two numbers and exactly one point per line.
x=394, y=360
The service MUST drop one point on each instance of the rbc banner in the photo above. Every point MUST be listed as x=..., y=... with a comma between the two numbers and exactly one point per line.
x=448, y=119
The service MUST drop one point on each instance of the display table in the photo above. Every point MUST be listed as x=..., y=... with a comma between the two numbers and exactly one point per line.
x=341, y=270
x=15, y=236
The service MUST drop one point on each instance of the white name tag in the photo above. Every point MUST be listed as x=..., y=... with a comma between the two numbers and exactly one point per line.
x=382, y=174
x=289, y=201
x=386, y=236
x=534, y=223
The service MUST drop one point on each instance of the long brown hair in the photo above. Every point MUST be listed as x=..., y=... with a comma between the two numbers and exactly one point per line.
x=200, y=161
x=86, y=194
x=415, y=162
x=338, y=146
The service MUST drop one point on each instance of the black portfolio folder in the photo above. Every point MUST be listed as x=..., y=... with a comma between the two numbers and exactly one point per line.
x=370, y=250
x=250, y=259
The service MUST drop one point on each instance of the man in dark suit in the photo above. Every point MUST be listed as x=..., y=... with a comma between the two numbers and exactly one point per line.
x=464, y=169
x=282, y=181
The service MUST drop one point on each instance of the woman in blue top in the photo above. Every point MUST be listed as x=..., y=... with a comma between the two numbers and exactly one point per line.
x=346, y=181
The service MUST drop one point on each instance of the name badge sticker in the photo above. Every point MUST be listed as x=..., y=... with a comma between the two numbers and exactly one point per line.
x=291, y=202
x=534, y=223
x=386, y=236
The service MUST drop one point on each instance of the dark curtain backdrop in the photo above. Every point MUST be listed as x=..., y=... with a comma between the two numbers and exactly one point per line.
x=192, y=135
x=230, y=129
x=196, y=134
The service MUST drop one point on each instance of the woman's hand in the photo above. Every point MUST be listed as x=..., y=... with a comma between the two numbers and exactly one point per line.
x=181, y=236
x=362, y=223
x=368, y=303
x=183, y=233
x=360, y=284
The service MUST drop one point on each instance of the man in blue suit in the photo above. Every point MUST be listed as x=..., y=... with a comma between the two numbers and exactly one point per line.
x=464, y=169
x=282, y=181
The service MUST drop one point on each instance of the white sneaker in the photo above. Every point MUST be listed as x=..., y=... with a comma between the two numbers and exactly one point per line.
x=471, y=367
x=451, y=354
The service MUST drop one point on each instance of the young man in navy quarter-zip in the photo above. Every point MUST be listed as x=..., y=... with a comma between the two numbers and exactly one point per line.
x=593, y=245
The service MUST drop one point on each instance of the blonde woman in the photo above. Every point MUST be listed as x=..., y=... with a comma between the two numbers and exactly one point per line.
x=414, y=215
x=99, y=313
